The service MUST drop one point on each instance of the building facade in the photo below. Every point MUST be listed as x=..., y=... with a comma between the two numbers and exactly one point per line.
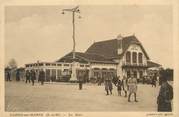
x=122, y=56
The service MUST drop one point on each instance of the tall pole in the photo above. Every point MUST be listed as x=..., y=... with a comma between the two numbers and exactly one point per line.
x=74, y=43
x=73, y=11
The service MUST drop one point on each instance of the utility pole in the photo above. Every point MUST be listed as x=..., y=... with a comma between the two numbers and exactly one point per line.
x=73, y=11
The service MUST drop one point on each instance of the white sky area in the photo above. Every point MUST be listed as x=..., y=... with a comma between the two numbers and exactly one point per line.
x=42, y=33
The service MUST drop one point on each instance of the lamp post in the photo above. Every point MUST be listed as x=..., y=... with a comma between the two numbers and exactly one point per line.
x=73, y=11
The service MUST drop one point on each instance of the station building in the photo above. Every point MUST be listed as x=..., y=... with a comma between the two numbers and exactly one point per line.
x=119, y=57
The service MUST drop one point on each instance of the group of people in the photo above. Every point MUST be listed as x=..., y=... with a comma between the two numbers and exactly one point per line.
x=32, y=76
x=8, y=75
x=128, y=85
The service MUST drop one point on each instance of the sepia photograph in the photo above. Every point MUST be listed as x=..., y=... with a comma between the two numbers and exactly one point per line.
x=88, y=58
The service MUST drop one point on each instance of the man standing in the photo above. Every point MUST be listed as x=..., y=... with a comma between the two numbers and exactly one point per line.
x=124, y=85
x=132, y=83
x=42, y=77
x=153, y=81
x=108, y=84
x=80, y=78
x=8, y=75
x=33, y=76
x=27, y=76
x=165, y=96
x=17, y=75
x=118, y=85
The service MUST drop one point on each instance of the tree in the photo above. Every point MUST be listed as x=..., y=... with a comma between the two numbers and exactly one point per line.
x=12, y=64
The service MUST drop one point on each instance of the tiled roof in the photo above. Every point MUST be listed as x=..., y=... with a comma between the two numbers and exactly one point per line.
x=108, y=48
x=86, y=57
x=152, y=64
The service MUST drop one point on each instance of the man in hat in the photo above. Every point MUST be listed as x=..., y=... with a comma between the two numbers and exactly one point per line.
x=165, y=96
x=18, y=75
x=27, y=76
x=118, y=85
x=42, y=76
x=132, y=83
x=33, y=76
x=8, y=75
x=108, y=84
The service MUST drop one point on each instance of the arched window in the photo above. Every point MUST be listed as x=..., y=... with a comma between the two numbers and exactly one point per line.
x=134, y=57
x=128, y=57
x=140, y=58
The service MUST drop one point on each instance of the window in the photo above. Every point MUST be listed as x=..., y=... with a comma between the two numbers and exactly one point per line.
x=96, y=74
x=128, y=57
x=59, y=64
x=134, y=57
x=104, y=69
x=128, y=74
x=140, y=58
x=66, y=64
x=53, y=73
x=96, y=68
x=81, y=65
x=47, y=64
x=66, y=72
x=53, y=64
x=135, y=74
x=41, y=64
x=59, y=73
x=141, y=74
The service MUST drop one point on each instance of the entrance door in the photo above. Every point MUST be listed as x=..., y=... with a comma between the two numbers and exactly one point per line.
x=141, y=74
x=135, y=74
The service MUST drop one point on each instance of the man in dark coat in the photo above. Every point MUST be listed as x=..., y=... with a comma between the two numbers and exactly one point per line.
x=17, y=75
x=42, y=77
x=8, y=76
x=165, y=96
x=27, y=76
x=108, y=84
x=119, y=85
x=32, y=76
x=154, y=79
x=80, y=79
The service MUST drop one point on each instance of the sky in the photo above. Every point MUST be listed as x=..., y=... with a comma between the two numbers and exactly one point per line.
x=42, y=33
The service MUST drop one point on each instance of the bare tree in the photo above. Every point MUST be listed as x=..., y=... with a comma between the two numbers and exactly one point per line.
x=12, y=64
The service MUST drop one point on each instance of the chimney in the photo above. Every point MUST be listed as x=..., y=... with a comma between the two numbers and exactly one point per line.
x=119, y=44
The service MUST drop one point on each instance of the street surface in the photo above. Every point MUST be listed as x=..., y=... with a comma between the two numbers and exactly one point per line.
x=66, y=97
